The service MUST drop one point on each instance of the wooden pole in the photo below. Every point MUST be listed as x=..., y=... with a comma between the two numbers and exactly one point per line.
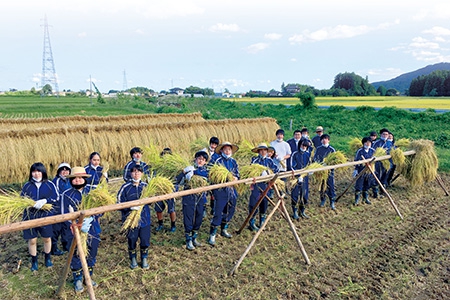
x=65, y=272
x=255, y=237
x=82, y=256
x=294, y=231
x=441, y=183
x=260, y=199
x=384, y=190
x=353, y=181
x=273, y=204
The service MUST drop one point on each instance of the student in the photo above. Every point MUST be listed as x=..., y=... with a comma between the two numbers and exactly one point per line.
x=305, y=137
x=282, y=149
x=316, y=140
x=300, y=193
x=136, y=156
x=263, y=160
x=132, y=190
x=95, y=170
x=193, y=205
x=90, y=226
x=160, y=206
x=364, y=182
x=72, y=197
x=373, y=136
x=42, y=191
x=390, y=144
x=293, y=142
x=225, y=198
x=62, y=184
x=380, y=171
x=213, y=143
x=327, y=188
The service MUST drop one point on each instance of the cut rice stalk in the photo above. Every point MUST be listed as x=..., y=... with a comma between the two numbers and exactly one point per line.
x=12, y=207
x=219, y=174
x=382, y=152
x=355, y=144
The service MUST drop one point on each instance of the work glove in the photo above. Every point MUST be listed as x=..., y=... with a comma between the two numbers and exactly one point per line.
x=105, y=174
x=135, y=208
x=300, y=179
x=39, y=203
x=355, y=173
x=264, y=173
x=87, y=222
x=188, y=169
x=189, y=175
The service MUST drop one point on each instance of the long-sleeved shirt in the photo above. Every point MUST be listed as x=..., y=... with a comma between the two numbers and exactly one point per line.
x=130, y=165
x=266, y=162
x=37, y=191
x=130, y=192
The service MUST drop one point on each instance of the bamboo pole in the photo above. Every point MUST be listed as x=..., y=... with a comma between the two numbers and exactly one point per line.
x=255, y=237
x=65, y=272
x=294, y=231
x=384, y=190
x=353, y=181
x=82, y=255
x=273, y=204
x=441, y=183
x=103, y=209
x=261, y=198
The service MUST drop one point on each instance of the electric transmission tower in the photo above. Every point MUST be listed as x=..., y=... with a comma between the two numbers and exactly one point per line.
x=125, y=85
x=48, y=65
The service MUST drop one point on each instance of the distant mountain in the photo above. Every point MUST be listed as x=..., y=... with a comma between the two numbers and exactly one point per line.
x=401, y=83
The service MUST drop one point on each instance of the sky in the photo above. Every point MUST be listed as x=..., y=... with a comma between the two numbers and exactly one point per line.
x=236, y=45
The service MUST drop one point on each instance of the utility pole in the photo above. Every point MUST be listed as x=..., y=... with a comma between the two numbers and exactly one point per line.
x=125, y=85
x=49, y=75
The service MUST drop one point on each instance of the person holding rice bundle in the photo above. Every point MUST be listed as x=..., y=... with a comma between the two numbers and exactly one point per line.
x=390, y=143
x=327, y=187
x=300, y=193
x=62, y=184
x=381, y=171
x=136, y=156
x=193, y=205
x=366, y=181
x=43, y=191
x=213, y=143
x=264, y=160
x=95, y=170
x=225, y=198
x=130, y=191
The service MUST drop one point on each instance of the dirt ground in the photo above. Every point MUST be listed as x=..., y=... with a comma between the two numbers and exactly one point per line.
x=357, y=252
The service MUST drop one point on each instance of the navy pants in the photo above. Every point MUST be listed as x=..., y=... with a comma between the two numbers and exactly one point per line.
x=330, y=189
x=142, y=233
x=254, y=196
x=161, y=205
x=365, y=182
x=225, y=205
x=44, y=231
x=193, y=206
x=62, y=230
x=93, y=242
x=300, y=190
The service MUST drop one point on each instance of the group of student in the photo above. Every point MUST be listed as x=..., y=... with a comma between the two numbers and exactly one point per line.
x=66, y=190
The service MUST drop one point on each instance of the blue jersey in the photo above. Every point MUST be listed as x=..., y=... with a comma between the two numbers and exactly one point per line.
x=266, y=162
x=322, y=152
x=229, y=163
x=62, y=184
x=71, y=197
x=96, y=176
x=130, y=165
x=300, y=159
x=293, y=143
x=130, y=192
x=37, y=191
x=362, y=154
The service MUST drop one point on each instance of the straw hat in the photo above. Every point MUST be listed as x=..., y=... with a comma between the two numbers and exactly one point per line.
x=259, y=147
x=78, y=172
x=234, y=148
x=319, y=129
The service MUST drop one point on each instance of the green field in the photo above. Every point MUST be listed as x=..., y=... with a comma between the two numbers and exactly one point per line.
x=374, y=101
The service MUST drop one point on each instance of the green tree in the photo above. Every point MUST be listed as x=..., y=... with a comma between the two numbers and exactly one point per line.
x=47, y=89
x=308, y=100
x=381, y=90
x=392, y=92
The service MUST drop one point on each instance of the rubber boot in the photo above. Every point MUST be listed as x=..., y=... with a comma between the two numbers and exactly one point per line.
x=366, y=197
x=262, y=219
x=91, y=272
x=56, y=251
x=211, y=204
x=332, y=204
x=34, y=263
x=224, y=231
x=252, y=226
x=144, y=258
x=302, y=213
x=133, y=261
x=295, y=214
x=212, y=235
x=194, y=239
x=160, y=226
x=357, y=196
x=173, y=227
x=322, y=201
x=189, y=244
x=375, y=192
x=48, y=260
x=78, y=280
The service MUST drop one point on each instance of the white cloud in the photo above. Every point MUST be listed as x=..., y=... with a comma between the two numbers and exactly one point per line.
x=439, y=11
x=82, y=35
x=255, y=48
x=438, y=31
x=223, y=83
x=293, y=59
x=422, y=43
x=94, y=80
x=385, y=73
x=140, y=32
x=224, y=27
x=337, y=32
x=273, y=36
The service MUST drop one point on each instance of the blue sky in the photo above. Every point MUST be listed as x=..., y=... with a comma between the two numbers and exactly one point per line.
x=240, y=45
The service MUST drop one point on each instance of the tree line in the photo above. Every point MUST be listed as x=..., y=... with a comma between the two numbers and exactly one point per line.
x=434, y=84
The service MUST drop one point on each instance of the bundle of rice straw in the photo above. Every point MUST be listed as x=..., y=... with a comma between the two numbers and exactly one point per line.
x=281, y=186
x=219, y=174
x=398, y=159
x=382, y=152
x=355, y=144
x=13, y=205
x=423, y=166
x=158, y=185
x=250, y=171
x=317, y=177
x=105, y=165
x=170, y=165
x=403, y=143
x=335, y=158
x=244, y=154
x=197, y=181
x=197, y=145
x=151, y=155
